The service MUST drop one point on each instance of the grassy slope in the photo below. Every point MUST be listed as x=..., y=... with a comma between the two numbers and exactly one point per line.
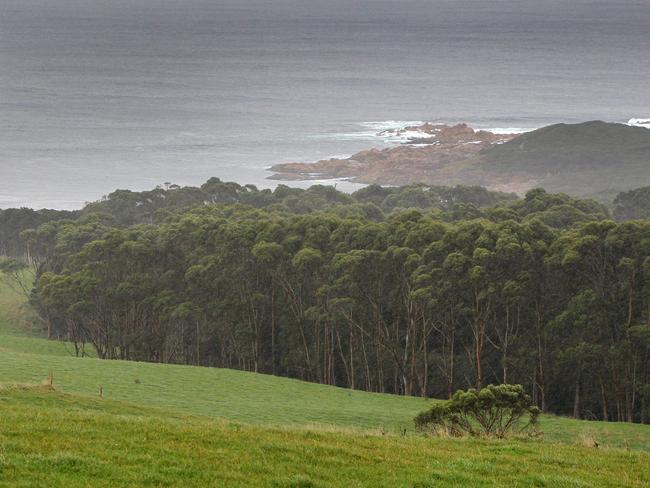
x=262, y=399
x=214, y=392
x=223, y=393
x=236, y=395
x=104, y=443
x=171, y=432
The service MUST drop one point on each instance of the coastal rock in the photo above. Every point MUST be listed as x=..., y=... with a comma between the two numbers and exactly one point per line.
x=442, y=133
x=436, y=158
x=594, y=158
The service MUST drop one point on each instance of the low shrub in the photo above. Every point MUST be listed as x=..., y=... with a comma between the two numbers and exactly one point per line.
x=494, y=411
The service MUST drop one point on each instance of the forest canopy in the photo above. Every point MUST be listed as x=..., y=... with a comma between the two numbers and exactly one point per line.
x=412, y=290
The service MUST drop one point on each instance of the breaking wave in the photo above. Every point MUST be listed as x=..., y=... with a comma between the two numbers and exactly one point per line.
x=640, y=122
x=392, y=132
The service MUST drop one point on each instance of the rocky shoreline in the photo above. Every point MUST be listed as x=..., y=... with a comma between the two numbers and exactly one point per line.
x=593, y=158
x=431, y=153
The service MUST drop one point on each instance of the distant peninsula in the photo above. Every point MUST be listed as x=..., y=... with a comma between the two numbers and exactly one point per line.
x=597, y=159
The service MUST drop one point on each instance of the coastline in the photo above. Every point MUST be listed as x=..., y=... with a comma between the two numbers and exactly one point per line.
x=434, y=154
x=413, y=154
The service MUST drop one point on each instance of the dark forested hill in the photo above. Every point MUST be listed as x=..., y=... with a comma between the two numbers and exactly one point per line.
x=563, y=148
x=593, y=158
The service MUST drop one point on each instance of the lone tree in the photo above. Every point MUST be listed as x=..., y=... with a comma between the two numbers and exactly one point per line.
x=13, y=273
x=494, y=411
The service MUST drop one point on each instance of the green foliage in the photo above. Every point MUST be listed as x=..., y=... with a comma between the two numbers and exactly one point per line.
x=14, y=221
x=236, y=395
x=633, y=204
x=12, y=266
x=56, y=440
x=16, y=274
x=558, y=210
x=493, y=411
x=413, y=290
x=289, y=433
x=444, y=198
x=415, y=304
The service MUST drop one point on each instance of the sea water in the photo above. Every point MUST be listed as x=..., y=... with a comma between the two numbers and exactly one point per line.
x=104, y=94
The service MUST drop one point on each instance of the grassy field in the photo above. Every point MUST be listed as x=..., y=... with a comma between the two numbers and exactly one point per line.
x=222, y=393
x=102, y=443
x=167, y=425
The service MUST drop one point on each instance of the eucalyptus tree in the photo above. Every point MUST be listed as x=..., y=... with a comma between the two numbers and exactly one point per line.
x=360, y=291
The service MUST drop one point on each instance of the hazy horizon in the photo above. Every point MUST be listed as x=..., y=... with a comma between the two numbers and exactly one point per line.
x=118, y=94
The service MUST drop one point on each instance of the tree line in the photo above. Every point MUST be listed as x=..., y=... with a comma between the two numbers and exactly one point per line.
x=124, y=207
x=413, y=290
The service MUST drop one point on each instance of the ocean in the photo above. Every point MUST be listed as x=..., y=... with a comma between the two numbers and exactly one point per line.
x=105, y=94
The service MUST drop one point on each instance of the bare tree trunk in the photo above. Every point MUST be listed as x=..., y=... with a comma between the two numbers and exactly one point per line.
x=604, y=400
x=540, y=364
x=351, y=361
x=273, y=329
x=452, y=362
x=632, y=394
x=478, y=350
x=366, y=365
x=343, y=359
x=198, y=344
x=576, y=399
x=425, y=353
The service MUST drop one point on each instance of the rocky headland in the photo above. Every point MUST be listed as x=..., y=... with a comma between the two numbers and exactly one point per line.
x=592, y=158
x=427, y=155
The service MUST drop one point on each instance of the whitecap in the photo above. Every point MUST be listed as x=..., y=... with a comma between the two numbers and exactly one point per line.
x=385, y=125
x=387, y=131
x=639, y=122
x=393, y=132
x=508, y=130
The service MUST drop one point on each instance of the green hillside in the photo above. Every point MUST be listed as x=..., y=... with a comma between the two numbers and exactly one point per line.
x=237, y=395
x=166, y=425
x=222, y=393
x=54, y=440
x=592, y=158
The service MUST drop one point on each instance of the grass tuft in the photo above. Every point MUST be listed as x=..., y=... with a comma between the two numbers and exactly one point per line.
x=587, y=439
x=44, y=386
